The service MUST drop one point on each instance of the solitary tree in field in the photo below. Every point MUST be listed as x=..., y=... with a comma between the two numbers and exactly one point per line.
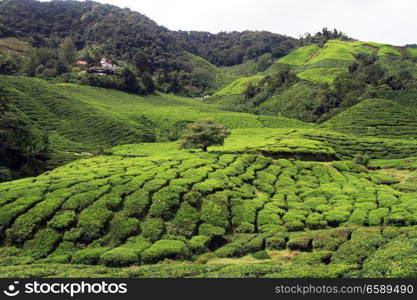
x=202, y=134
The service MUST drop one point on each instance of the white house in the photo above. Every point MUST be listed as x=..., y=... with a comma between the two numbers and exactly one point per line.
x=107, y=63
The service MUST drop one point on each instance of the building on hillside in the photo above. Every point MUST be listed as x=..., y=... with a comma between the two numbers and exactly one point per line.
x=82, y=63
x=107, y=67
x=108, y=63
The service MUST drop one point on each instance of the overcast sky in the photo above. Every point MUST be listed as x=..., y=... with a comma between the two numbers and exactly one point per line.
x=386, y=21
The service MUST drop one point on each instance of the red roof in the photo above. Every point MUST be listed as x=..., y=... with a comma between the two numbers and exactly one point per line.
x=82, y=62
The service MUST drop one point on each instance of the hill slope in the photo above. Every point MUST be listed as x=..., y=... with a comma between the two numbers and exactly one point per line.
x=85, y=119
x=376, y=117
x=119, y=211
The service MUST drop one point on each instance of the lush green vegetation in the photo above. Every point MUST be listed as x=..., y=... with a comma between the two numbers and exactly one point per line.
x=295, y=158
x=206, y=209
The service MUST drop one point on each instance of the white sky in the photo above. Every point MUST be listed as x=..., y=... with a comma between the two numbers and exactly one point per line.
x=385, y=21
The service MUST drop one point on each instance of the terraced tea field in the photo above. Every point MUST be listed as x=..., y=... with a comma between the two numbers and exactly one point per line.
x=212, y=214
x=280, y=198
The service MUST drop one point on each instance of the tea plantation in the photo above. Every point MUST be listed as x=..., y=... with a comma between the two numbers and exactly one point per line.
x=280, y=198
x=194, y=214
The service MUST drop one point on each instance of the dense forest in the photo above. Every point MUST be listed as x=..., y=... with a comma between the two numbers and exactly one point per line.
x=157, y=56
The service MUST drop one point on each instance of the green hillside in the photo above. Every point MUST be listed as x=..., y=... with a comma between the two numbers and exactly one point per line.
x=203, y=208
x=238, y=86
x=79, y=119
x=302, y=162
x=322, y=65
x=376, y=117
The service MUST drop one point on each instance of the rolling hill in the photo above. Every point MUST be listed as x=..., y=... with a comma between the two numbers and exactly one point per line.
x=376, y=117
x=316, y=179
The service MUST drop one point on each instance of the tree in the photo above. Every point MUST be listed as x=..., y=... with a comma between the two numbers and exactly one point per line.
x=202, y=134
x=67, y=51
x=148, y=83
x=129, y=79
x=141, y=62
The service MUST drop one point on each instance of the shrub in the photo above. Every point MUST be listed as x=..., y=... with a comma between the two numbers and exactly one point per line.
x=245, y=227
x=199, y=244
x=302, y=243
x=215, y=214
x=82, y=200
x=323, y=242
x=336, y=216
x=361, y=159
x=25, y=224
x=42, y=243
x=153, y=185
x=136, y=203
x=119, y=257
x=376, y=216
x=91, y=221
x=315, y=221
x=152, y=229
x=390, y=232
x=361, y=245
x=267, y=218
x=186, y=220
x=294, y=225
x=246, y=212
x=276, y=242
x=120, y=228
x=163, y=249
x=209, y=185
x=262, y=254
x=62, y=220
x=256, y=243
x=165, y=202
x=72, y=235
x=192, y=197
x=359, y=217
x=88, y=256
x=211, y=230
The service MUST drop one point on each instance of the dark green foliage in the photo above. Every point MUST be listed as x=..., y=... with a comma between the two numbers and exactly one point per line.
x=303, y=243
x=42, y=243
x=152, y=229
x=120, y=257
x=199, y=244
x=215, y=214
x=88, y=256
x=62, y=220
x=120, y=228
x=211, y=230
x=261, y=255
x=91, y=222
x=165, y=201
x=185, y=221
x=136, y=203
x=276, y=242
x=127, y=254
x=202, y=134
x=362, y=244
x=163, y=249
